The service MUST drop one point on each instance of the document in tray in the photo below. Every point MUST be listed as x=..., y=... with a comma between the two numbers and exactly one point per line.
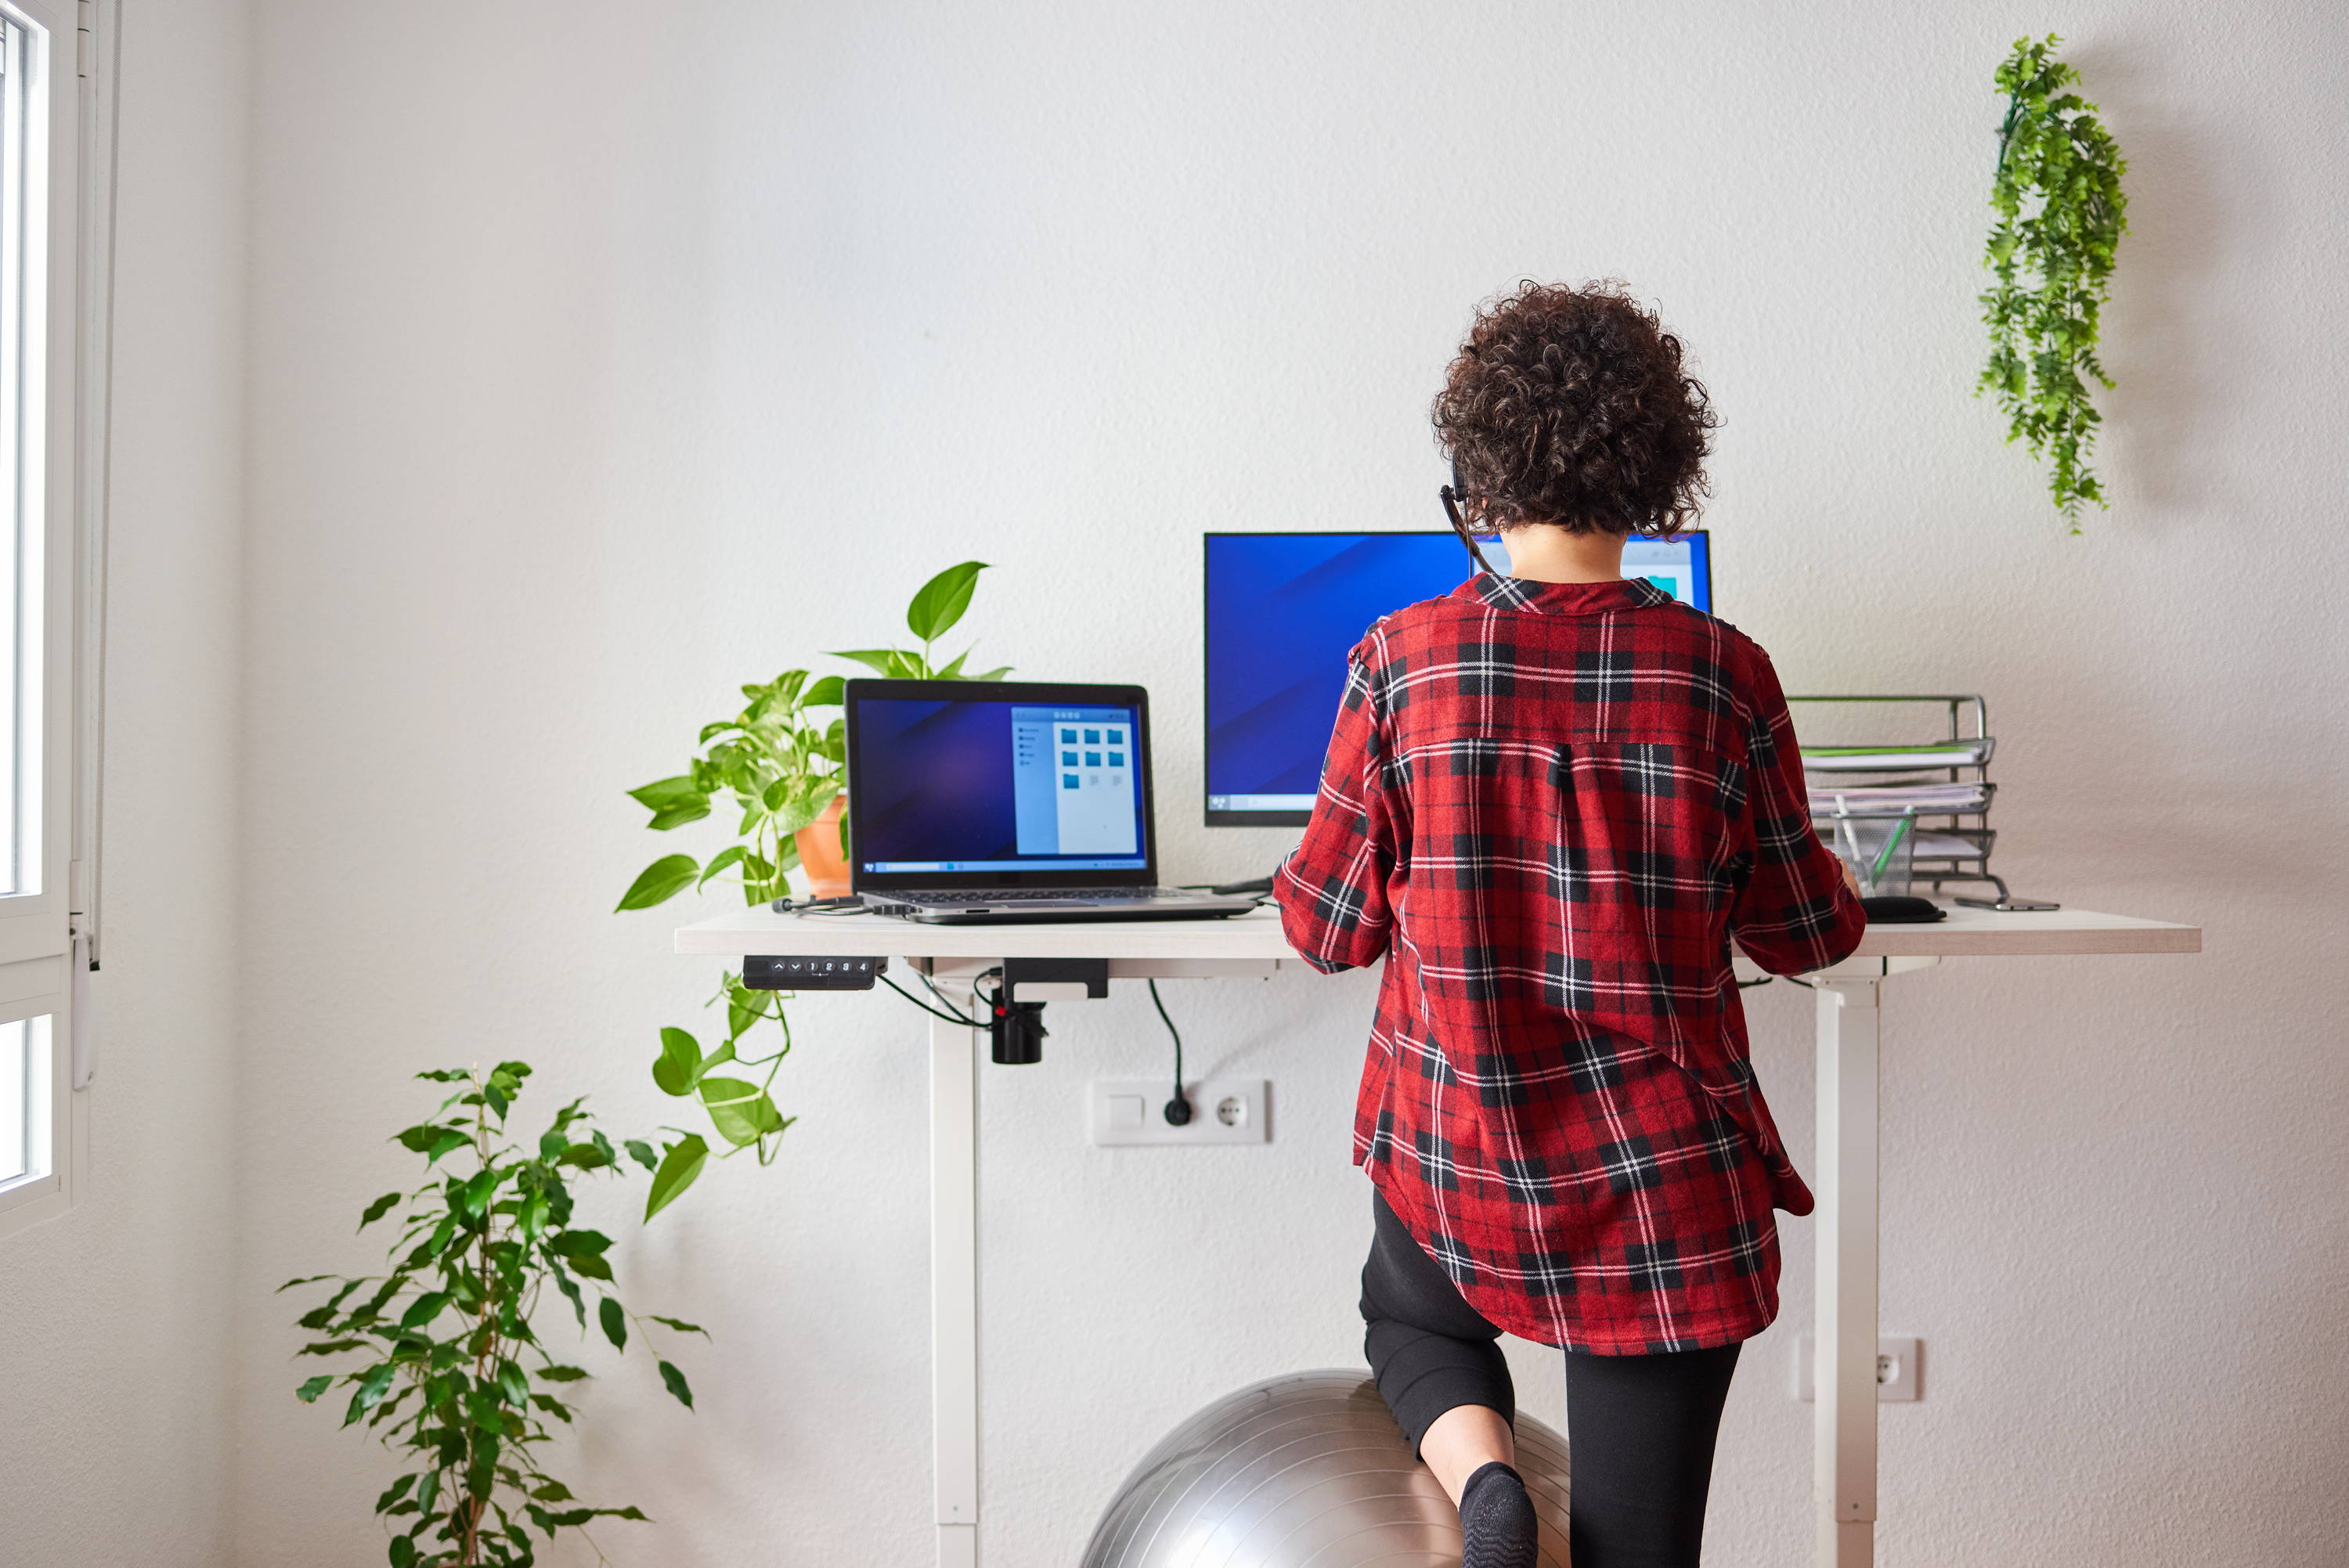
x=1893, y=800
x=1892, y=758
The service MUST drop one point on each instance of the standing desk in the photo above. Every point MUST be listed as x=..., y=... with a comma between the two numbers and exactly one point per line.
x=1844, y=1170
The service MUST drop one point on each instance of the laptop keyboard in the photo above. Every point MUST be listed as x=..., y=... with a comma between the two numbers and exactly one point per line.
x=1019, y=894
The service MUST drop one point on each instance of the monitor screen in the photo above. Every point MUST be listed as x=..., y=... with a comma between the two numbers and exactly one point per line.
x=959, y=786
x=1282, y=609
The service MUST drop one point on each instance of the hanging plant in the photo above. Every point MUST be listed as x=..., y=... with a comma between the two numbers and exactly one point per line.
x=2061, y=215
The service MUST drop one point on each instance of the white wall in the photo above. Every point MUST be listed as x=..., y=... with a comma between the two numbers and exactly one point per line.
x=604, y=358
x=116, y=1347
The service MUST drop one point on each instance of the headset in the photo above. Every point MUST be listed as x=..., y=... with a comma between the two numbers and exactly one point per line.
x=1454, y=495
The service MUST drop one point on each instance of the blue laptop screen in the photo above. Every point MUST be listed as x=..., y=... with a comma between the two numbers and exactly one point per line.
x=1282, y=609
x=976, y=786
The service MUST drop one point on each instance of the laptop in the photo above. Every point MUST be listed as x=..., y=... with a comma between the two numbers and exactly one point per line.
x=987, y=802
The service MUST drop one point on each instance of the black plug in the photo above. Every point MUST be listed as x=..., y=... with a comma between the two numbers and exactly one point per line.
x=1178, y=1109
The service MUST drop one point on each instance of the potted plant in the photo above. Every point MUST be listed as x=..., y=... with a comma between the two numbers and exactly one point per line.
x=457, y=1370
x=781, y=764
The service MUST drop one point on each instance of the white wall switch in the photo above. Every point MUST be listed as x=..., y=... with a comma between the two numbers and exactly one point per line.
x=1134, y=1110
x=1899, y=1370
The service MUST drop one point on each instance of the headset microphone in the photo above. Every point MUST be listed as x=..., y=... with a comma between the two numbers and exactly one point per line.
x=1454, y=495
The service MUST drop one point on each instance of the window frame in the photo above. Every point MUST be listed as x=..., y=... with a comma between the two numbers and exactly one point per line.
x=37, y=937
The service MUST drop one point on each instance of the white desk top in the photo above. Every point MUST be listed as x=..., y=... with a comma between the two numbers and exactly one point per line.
x=1255, y=938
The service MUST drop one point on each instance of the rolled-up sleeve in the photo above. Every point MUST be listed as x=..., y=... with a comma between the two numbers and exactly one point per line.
x=1795, y=913
x=1332, y=889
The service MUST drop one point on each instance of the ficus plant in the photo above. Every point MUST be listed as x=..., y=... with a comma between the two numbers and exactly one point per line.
x=2061, y=214
x=455, y=1368
x=774, y=768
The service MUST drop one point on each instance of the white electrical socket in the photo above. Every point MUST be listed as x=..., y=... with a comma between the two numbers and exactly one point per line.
x=1899, y=1370
x=1133, y=1111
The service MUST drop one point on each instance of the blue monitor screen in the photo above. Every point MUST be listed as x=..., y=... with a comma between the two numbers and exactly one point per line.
x=1282, y=609
x=978, y=786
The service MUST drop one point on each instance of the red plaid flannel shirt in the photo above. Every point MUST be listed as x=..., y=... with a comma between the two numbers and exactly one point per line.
x=1550, y=807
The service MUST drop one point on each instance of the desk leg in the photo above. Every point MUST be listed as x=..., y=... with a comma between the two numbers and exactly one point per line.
x=953, y=1289
x=1845, y=1359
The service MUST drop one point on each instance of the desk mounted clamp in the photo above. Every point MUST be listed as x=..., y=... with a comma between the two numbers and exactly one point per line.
x=1015, y=1014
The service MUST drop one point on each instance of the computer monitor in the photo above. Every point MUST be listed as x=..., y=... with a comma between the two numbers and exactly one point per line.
x=1281, y=611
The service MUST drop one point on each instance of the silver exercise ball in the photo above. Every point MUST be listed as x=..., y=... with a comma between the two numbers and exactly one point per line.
x=1305, y=1472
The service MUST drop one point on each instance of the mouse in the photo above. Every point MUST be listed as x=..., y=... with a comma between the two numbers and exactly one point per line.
x=1902, y=910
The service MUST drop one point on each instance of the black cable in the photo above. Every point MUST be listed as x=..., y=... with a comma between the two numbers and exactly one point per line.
x=1178, y=1109
x=924, y=1007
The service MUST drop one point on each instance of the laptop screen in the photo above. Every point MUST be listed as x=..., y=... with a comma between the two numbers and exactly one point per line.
x=959, y=786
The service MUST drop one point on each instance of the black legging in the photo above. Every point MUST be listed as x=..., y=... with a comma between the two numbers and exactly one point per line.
x=1640, y=1428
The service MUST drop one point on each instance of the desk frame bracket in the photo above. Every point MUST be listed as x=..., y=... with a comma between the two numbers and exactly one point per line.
x=953, y=1285
x=1850, y=1033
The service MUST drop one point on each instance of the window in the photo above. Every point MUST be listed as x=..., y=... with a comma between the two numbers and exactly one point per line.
x=49, y=115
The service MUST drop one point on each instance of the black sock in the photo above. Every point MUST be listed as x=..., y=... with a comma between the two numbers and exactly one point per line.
x=1496, y=1519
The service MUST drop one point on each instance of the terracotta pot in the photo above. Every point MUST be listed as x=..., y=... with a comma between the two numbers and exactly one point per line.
x=819, y=856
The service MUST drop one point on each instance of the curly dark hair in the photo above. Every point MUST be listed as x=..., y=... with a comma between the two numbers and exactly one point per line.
x=1570, y=407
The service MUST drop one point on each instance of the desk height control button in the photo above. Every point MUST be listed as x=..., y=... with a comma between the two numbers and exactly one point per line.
x=806, y=972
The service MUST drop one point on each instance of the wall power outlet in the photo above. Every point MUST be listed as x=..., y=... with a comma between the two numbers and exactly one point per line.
x=1899, y=1370
x=1223, y=1110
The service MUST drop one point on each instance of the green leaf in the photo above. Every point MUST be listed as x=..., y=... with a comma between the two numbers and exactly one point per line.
x=883, y=661
x=563, y=1282
x=378, y=1209
x=941, y=602
x=677, y=816
x=562, y=1374
x=828, y=691
x=581, y=1243
x=740, y=1111
x=677, y=1385
x=552, y=1492
x=424, y=1309
x=473, y=1197
x=806, y=804
x=679, y=1169
x=659, y=882
x=449, y=1142
x=397, y=1490
x=615, y=1322
x=681, y=1061
x=593, y=1268
x=403, y=1552
x=663, y=793
x=371, y=1390
x=642, y=1153
x=682, y=1328
x=309, y=1391
x=718, y=863
x=305, y=1279
x=994, y=675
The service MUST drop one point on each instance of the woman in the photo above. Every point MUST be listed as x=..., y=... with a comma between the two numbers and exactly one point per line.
x=1551, y=800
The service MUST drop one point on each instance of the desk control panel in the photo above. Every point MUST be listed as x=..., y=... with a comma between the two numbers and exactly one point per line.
x=812, y=972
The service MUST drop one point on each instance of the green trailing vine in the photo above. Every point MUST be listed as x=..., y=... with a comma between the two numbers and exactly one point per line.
x=2061, y=216
x=771, y=770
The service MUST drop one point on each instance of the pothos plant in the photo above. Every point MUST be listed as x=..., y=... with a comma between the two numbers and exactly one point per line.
x=455, y=1368
x=2061, y=215
x=778, y=764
